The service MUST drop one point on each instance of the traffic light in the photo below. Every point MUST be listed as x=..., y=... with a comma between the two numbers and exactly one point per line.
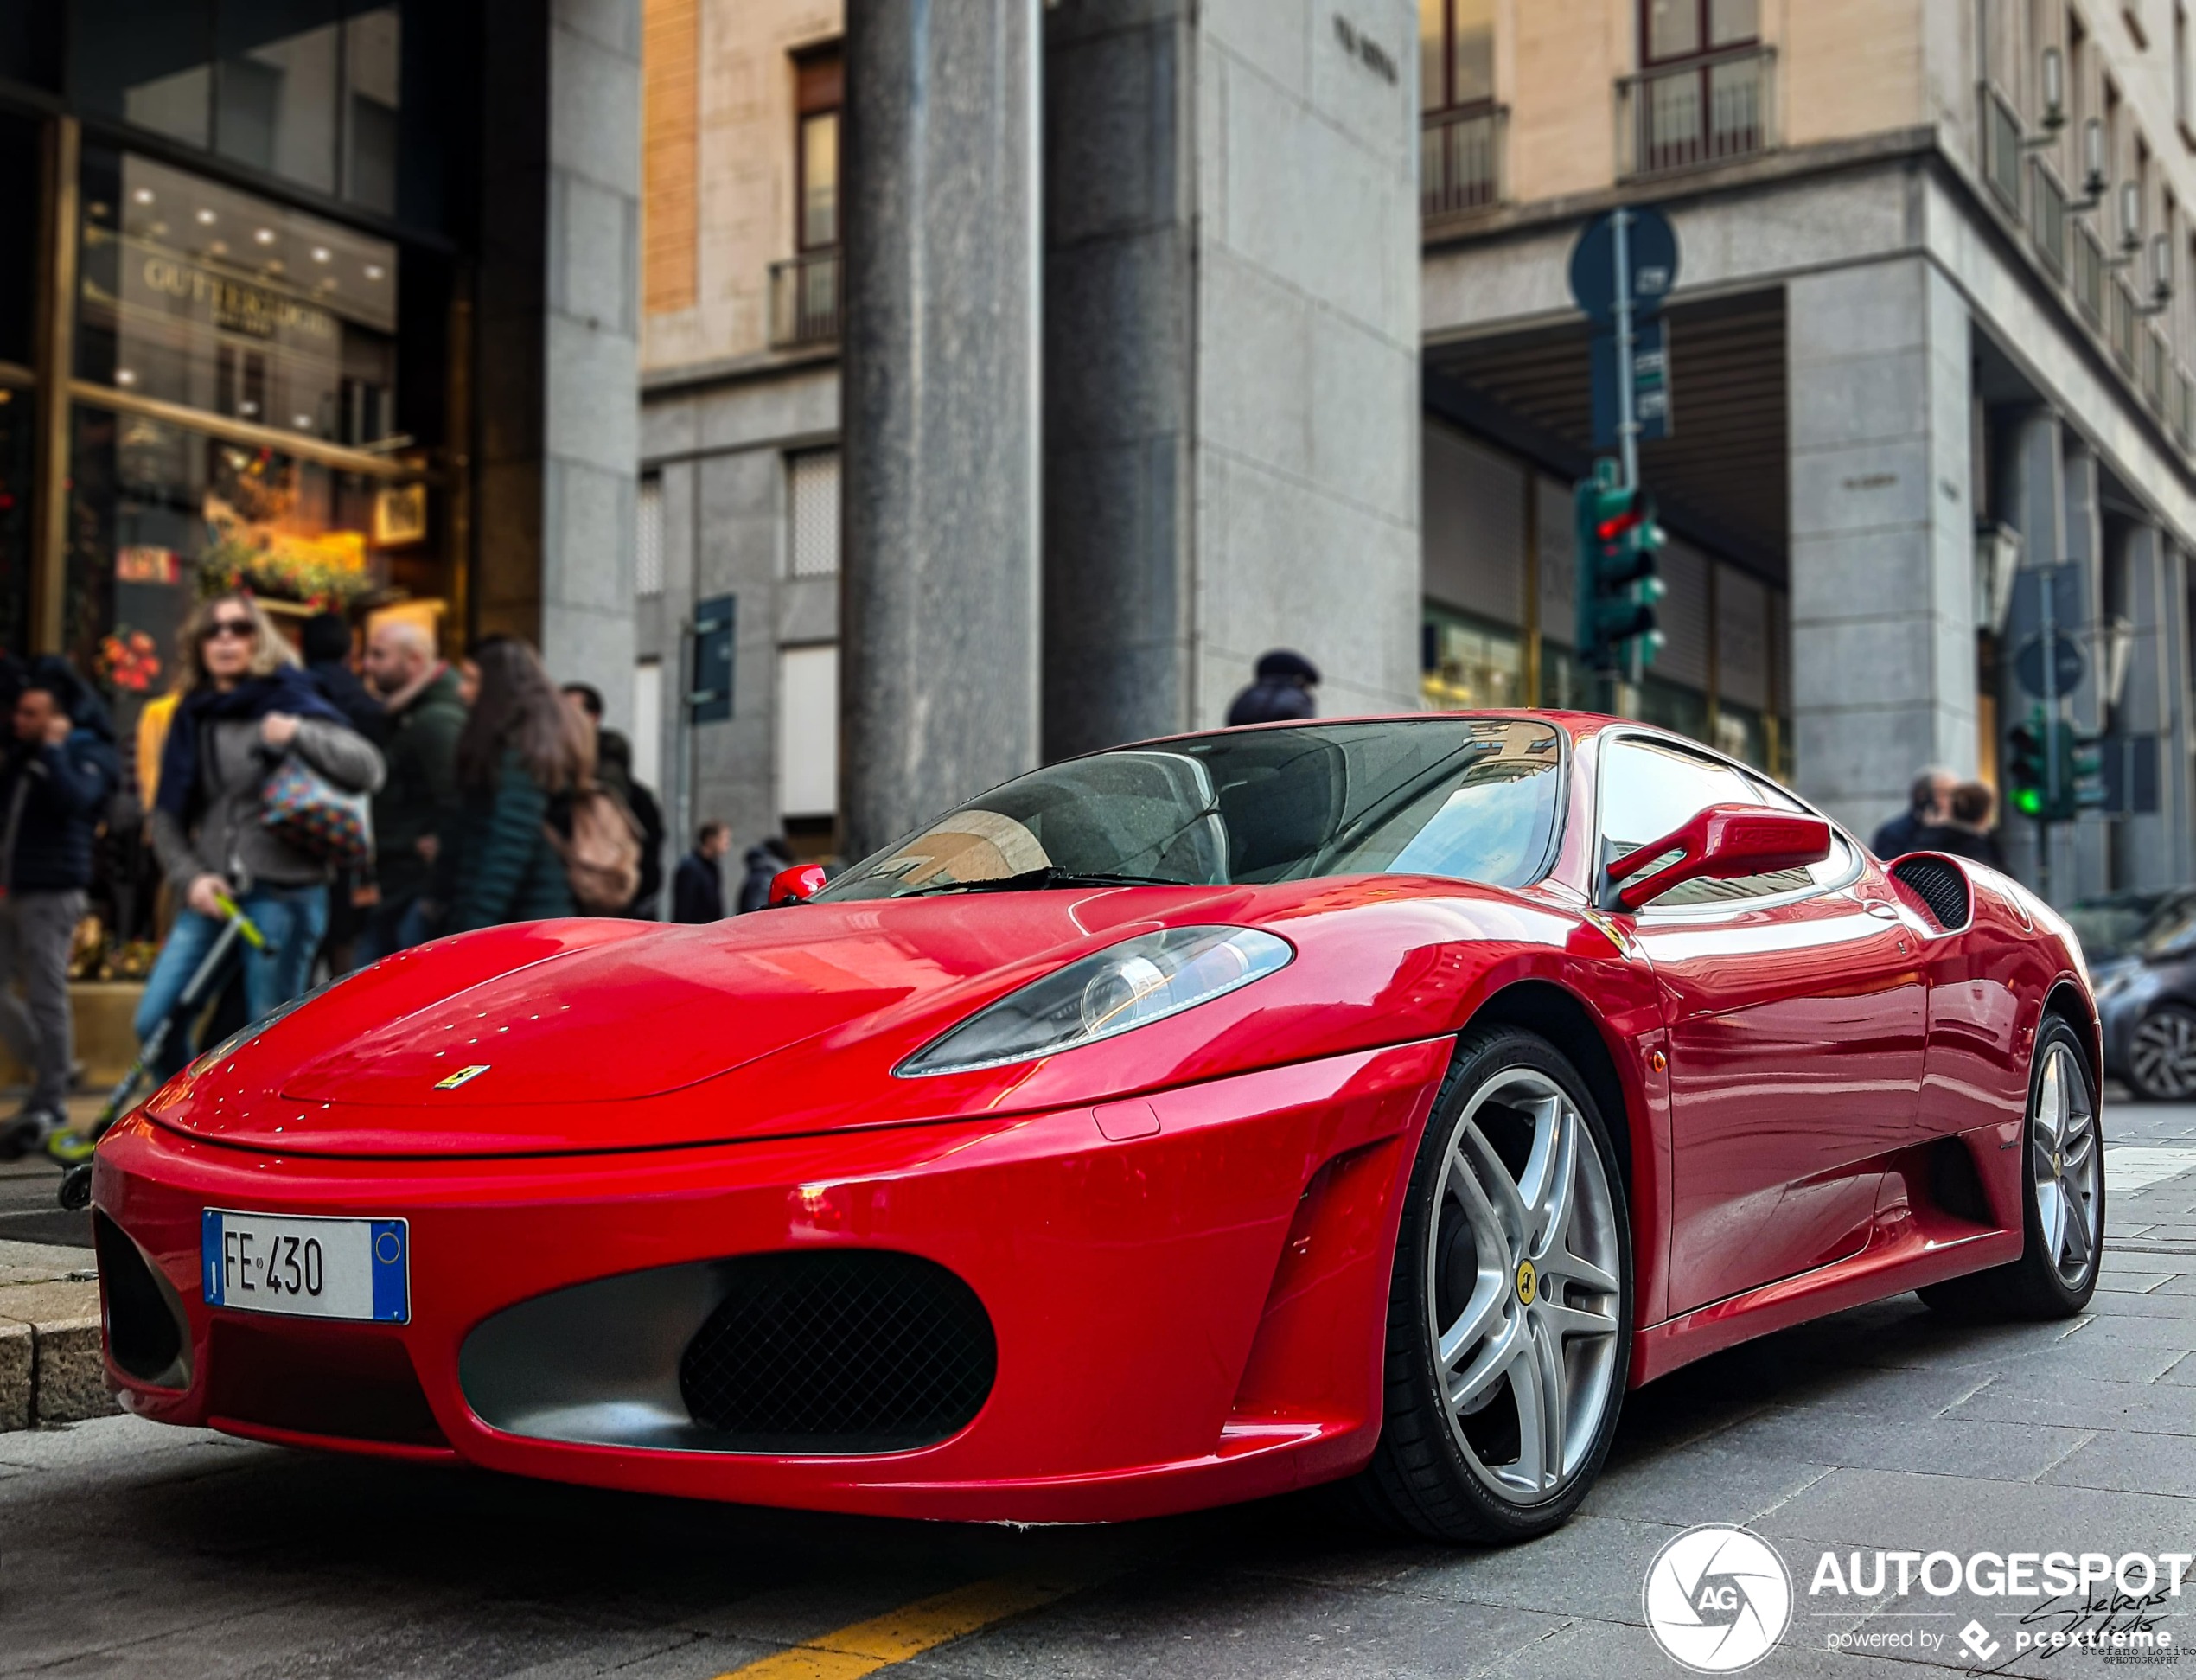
x=1618, y=586
x=2082, y=773
x=2028, y=768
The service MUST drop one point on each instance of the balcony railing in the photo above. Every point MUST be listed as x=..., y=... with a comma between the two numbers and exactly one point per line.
x=2001, y=149
x=1701, y=111
x=2088, y=275
x=2184, y=408
x=2124, y=326
x=2049, y=228
x=805, y=295
x=1460, y=159
x=2155, y=360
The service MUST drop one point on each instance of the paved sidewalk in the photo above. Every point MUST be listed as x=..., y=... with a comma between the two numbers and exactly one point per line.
x=128, y=1549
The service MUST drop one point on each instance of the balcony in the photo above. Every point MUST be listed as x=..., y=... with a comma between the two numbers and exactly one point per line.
x=1714, y=109
x=2001, y=149
x=1460, y=159
x=805, y=300
x=2049, y=228
x=2089, y=276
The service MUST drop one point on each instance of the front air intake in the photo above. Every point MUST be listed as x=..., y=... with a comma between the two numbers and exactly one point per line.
x=855, y=1351
x=1941, y=887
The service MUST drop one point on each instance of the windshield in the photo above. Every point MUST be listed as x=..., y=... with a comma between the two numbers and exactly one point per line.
x=1475, y=799
x=2113, y=927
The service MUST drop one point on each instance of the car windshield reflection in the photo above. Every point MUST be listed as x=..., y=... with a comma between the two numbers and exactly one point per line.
x=1471, y=798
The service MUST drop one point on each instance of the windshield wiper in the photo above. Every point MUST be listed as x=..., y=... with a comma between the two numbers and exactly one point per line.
x=1041, y=880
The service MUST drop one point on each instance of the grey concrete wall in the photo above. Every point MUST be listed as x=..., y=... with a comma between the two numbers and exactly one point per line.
x=557, y=355
x=1883, y=664
x=941, y=540
x=1232, y=359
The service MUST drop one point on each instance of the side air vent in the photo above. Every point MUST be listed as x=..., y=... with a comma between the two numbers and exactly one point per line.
x=146, y=1332
x=1941, y=887
x=855, y=1350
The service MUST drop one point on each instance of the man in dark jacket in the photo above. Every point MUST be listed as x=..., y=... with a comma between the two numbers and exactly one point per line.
x=418, y=800
x=764, y=863
x=55, y=784
x=326, y=642
x=698, y=885
x=1282, y=693
x=1928, y=802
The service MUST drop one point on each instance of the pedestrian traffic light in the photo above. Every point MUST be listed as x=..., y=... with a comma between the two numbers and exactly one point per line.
x=2082, y=776
x=1618, y=586
x=2053, y=773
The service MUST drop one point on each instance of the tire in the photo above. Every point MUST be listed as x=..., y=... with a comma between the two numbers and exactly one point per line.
x=2062, y=1197
x=1545, y=1346
x=2161, y=1054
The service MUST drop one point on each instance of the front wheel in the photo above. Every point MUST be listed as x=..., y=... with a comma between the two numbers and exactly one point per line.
x=2161, y=1055
x=2062, y=1197
x=1510, y=1306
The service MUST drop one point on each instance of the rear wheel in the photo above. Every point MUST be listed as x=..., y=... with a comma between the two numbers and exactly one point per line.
x=2062, y=1195
x=2161, y=1054
x=1509, y=1308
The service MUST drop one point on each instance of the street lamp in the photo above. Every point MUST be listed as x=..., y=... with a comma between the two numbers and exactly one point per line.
x=2094, y=179
x=2161, y=276
x=2054, y=117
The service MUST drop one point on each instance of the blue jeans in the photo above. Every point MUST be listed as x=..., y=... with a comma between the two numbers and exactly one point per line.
x=291, y=919
x=390, y=928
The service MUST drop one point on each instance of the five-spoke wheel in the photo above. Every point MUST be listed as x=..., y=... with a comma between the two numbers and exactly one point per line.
x=1510, y=1321
x=2161, y=1054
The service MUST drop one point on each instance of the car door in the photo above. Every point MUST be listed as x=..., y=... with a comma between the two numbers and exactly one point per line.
x=1797, y=1013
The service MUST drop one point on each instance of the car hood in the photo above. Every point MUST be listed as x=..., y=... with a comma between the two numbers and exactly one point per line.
x=555, y=1036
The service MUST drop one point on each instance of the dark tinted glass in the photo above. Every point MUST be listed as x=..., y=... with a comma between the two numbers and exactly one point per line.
x=1475, y=799
x=146, y=62
x=275, y=105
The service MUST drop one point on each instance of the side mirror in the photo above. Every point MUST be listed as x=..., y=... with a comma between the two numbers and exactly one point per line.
x=793, y=886
x=1721, y=843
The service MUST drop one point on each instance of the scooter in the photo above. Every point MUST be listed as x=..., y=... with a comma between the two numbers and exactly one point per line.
x=73, y=1149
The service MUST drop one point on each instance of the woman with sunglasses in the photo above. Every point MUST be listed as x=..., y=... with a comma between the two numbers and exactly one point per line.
x=246, y=704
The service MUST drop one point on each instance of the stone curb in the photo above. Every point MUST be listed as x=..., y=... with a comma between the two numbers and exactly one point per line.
x=50, y=1366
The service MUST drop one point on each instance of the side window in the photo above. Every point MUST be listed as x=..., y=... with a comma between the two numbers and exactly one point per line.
x=1648, y=789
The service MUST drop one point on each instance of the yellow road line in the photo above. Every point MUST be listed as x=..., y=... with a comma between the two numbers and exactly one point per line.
x=865, y=1647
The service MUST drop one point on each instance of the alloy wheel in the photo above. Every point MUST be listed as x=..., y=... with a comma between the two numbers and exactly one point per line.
x=1522, y=1287
x=2163, y=1054
x=2066, y=1162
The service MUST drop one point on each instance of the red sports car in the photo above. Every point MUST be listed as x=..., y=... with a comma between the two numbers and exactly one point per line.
x=1174, y=1125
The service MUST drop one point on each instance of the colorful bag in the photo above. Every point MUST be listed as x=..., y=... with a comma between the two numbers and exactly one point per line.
x=602, y=857
x=304, y=809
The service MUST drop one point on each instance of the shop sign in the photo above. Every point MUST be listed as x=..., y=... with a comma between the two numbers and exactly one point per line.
x=238, y=305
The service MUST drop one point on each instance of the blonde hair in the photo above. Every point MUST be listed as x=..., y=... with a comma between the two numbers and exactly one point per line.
x=270, y=650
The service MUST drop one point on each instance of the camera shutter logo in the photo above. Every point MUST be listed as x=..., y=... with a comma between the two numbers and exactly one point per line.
x=1717, y=1599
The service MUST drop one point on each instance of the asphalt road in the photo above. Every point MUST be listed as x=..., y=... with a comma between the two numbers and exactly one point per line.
x=128, y=1549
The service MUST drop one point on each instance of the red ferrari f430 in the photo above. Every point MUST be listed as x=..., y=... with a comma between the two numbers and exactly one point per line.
x=1179, y=1124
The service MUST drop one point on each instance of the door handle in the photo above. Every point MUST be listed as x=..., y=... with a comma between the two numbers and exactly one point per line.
x=1888, y=913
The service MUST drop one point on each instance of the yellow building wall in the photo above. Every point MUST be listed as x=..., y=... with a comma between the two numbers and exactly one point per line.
x=1847, y=68
x=733, y=209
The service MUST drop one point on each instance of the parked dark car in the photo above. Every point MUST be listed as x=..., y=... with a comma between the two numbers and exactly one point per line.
x=2145, y=980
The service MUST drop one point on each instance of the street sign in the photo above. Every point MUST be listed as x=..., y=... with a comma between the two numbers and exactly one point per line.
x=709, y=699
x=1650, y=388
x=2038, y=589
x=2068, y=666
x=1650, y=255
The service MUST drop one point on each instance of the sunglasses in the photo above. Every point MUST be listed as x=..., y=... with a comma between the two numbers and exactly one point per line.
x=240, y=628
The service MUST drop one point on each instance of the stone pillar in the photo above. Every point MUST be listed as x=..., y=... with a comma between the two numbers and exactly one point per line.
x=2081, y=850
x=1232, y=359
x=941, y=556
x=1883, y=663
x=2152, y=846
x=558, y=347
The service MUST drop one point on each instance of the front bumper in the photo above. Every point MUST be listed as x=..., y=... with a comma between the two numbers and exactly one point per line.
x=1184, y=1317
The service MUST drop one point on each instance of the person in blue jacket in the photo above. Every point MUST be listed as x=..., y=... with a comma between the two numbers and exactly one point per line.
x=59, y=774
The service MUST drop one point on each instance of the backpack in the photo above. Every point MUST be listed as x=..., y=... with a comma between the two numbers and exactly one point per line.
x=602, y=859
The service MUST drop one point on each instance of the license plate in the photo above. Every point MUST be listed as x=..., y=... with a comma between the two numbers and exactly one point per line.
x=307, y=1267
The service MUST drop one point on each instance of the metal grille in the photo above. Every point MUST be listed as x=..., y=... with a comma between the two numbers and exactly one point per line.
x=850, y=1351
x=1938, y=885
x=1460, y=160
x=812, y=495
x=648, y=541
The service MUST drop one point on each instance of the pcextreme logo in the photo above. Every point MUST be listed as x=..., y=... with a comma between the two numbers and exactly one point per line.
x=1717, y=1599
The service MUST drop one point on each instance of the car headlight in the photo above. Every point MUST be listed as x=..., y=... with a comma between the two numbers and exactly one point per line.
x=1129, y=985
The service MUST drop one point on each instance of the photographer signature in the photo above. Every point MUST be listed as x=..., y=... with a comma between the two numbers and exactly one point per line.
x=2095, y=1619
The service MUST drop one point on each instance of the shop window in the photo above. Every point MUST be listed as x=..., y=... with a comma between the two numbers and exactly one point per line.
x=373, y=66
x=1468, y=664
x=200, y=295
x=275, y=88
x=150, y=64
x=818, y=83
x=1456, y=53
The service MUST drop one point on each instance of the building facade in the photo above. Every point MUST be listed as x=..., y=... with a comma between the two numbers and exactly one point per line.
x=1933, y=328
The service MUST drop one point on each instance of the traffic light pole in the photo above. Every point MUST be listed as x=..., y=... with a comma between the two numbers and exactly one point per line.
x=1627, y=414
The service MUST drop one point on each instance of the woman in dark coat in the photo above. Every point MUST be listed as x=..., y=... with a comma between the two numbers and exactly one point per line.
x=519, y=751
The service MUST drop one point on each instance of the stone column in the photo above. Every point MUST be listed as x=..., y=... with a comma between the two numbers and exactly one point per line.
x=1883, y=663
x=559, y=351
x=1232, y=359
x=940, y=555
x=2032, y=468
x=2152, y=844
x=2081, y=850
